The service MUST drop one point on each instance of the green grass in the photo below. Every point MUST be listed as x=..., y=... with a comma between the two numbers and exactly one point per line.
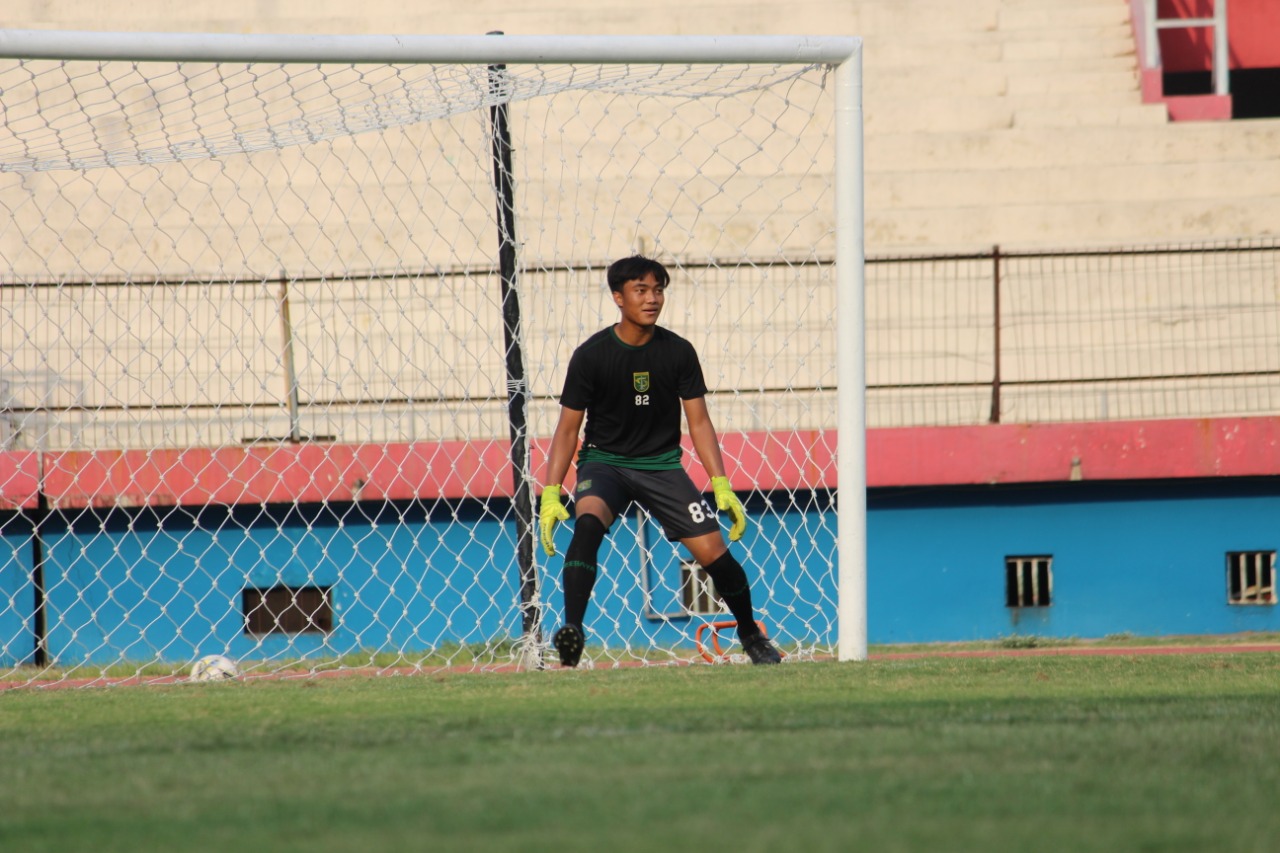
x=1123, y=753
x=498, y=652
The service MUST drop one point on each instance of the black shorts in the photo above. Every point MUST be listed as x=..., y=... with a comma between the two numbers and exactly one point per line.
x=669, y=496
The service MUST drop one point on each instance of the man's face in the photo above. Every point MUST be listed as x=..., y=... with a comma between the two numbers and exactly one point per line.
x=641, y=300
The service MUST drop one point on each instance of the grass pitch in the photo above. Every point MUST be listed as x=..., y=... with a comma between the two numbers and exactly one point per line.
x=1170, y=752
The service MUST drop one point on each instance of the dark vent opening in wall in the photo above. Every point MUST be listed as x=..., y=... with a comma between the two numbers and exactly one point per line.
x=1028, y=581
x=288, y=610
x=1255, y=92
x=1251, y=577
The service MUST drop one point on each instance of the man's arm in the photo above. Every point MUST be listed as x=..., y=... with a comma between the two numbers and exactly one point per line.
x=703, y=435
x=564, y=441
x=707, y=445
x=551, y=509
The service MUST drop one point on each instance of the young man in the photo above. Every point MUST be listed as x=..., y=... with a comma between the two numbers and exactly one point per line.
x=631, y=381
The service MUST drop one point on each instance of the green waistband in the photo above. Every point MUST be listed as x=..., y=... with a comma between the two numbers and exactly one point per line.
x=661, y=462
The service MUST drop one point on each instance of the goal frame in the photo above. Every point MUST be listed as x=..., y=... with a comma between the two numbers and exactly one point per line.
x=843, y=54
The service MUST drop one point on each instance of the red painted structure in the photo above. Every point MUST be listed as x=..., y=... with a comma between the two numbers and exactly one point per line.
x=1253, y=38
x=915, y=456
x=1253, y=33
x=1046, y=453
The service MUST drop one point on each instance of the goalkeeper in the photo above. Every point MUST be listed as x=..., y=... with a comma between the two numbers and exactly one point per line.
x=630, y=383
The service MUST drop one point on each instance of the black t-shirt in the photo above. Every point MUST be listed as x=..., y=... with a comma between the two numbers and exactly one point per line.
x=632, y=397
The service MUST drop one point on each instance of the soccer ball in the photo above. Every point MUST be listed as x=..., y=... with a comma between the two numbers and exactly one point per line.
x=214, y=668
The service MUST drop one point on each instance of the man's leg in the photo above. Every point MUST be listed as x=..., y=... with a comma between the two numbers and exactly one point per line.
x=733, y=587
x=686, y=517
x=580, y=566
x=578, y=579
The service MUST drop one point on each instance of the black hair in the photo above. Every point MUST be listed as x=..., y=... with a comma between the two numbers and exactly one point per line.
x=635, y=267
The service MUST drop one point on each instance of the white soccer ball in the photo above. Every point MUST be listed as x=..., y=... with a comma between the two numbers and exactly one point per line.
x=214, y=668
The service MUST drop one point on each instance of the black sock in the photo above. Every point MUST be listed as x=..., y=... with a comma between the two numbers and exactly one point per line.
x=734, y=589
x=579, y=576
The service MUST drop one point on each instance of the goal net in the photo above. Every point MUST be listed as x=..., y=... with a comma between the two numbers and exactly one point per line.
x=287, y=318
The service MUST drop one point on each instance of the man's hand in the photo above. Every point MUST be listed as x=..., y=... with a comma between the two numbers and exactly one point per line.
x=551, y=512
x=727, y=501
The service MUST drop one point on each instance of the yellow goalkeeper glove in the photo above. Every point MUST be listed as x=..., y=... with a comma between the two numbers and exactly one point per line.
x=728, y=501
x=550, y=513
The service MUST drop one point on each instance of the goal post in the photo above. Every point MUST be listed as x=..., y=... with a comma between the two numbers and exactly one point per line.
x=851, y=370
x=290, y=316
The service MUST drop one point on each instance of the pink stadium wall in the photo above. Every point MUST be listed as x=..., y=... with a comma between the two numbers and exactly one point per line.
x=916, y=456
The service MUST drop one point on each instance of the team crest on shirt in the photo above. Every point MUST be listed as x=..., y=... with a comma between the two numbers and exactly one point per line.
x=640, y=381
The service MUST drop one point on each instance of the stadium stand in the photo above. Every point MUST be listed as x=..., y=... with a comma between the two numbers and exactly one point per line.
x=1011, y=122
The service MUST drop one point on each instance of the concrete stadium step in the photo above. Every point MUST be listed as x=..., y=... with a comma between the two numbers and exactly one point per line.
x=1051, y=7
x=938, y=51
x=1129, y=115
x=1076, y=103
x=964, y=46
x=915, y=17
x=1057, y=66
x=965, y=81
x=1048, y=225
x=1014, y=56
x=1122, y=79
x=1083, y=183
x=899, y=113
x=1081, y=45
x=986, y=79
x=1062, y=16
x=1022, y=147
x=1054, y=4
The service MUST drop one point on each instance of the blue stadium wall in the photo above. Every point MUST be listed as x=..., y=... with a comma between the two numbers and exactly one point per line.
x=1147, y=558
x=1140, y=557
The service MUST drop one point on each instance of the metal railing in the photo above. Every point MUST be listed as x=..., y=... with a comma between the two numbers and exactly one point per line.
x=987, y=337
x=1138, y=332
